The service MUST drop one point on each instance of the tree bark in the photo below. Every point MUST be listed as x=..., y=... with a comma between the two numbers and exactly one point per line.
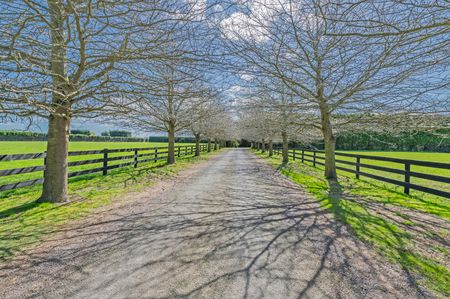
x=329, y=142
x=270, y=148
x=56, y=162
x=209, y=145
x=263, y=146
x=197, y=144
x=285, y=151
x=171, y=149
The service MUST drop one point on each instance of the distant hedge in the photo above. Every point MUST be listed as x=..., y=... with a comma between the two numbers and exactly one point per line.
x=34, y=136
x=82, y=132
x=177, y=139
x=438, y=141
x=22, y=136
x=116, y=133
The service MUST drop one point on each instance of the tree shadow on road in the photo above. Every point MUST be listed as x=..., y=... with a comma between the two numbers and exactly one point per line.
x=248, y=236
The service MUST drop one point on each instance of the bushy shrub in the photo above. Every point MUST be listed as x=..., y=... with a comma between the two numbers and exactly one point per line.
x=82, y=132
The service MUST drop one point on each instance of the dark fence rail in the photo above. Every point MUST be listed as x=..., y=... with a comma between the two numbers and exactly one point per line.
x=138, y=156
x=358, y=168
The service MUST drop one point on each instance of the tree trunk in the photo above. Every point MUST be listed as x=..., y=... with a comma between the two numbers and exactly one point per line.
x=215, y=144
x=330, y=144
x=263, y=146
x=171, y=149
x=285, y=151
x=270, y=148
x=197, y=144
x=56, y=164
x=209, y=145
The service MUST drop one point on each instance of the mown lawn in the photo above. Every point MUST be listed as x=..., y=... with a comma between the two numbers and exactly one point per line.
x=413, y=231
x=19, y=147
x=23, y=222
x=422, y=156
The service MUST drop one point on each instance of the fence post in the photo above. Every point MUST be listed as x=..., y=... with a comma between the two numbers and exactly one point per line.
x=45, y=161
x=303, y=156
x=293, y=154
x=314, y=158
x=407, y=177
x=156, y=155
x=105, y=161
x=135, y=158
x=179, y=150
x=358, y=160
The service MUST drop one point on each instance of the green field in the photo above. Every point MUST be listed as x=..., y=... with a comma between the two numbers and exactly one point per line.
x=23, y=221
x=422, y=156
x=19, y=147
x=413, y=231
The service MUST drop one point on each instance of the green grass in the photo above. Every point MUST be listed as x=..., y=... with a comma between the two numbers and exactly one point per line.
x=423, y=156
x=23, y=222
x=381, y=216
x=20, y=147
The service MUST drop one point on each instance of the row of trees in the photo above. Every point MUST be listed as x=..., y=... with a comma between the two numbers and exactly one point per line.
x=310, y=70
x=316, y=69
x=136, y=63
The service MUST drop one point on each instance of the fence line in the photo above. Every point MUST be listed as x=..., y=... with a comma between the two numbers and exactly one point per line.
x=312, y=157
x=151, y=154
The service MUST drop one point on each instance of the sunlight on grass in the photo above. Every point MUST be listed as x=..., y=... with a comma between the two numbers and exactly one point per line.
x=350, y=201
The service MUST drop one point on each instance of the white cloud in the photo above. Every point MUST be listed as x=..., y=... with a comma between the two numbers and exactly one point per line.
x=235, y=89
x=247, y=77
x=242, y=26
x=255, y=24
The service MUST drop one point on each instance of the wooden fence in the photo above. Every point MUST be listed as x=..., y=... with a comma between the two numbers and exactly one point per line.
x=102, y=158
x=404, y=171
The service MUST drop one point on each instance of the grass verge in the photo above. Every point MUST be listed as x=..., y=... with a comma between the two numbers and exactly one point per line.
x=23, y=222
x=409, y=230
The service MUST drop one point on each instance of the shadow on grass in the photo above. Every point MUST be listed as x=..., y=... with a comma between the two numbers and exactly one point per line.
x=18, y=209
x=247, y=234
x=378, y=217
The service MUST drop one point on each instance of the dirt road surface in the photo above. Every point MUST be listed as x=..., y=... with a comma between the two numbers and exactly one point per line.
x=230, y=227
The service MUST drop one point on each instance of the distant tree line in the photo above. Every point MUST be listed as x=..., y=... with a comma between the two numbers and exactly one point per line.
x=406, y=141
x=177, y=139
x=82, y=132
x=117, y=133
x=75, y=135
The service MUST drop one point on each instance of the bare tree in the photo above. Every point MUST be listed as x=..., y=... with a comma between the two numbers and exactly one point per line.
x=417, y=19
x=206, y=124
x=333, y=75
x=168, y=97
x=64, y=59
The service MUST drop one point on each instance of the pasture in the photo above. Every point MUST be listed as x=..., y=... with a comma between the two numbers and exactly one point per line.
x=19, y=147
x=410, y=230
x=420, y=156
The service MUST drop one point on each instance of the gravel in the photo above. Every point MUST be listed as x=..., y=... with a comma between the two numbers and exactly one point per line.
x=230, y=227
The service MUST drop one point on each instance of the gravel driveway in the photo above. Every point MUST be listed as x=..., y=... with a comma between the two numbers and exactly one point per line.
x=230, y=227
